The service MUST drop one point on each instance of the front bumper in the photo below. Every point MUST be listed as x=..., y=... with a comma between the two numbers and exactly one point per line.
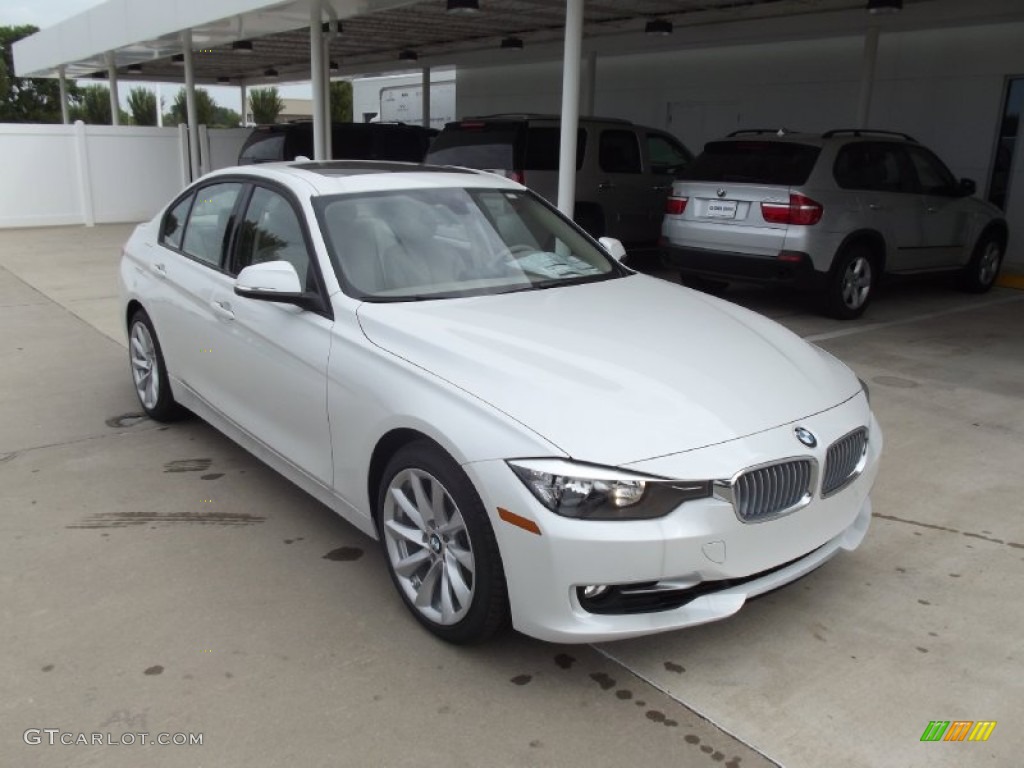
x=701, y=541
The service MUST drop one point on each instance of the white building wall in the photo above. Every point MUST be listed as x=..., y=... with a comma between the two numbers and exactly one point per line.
x=945, y=87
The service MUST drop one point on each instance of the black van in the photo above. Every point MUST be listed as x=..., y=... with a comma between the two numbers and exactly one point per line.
x=349, y=141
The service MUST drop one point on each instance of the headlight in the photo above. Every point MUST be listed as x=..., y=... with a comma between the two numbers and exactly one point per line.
x=604, y=493
x=864, y=386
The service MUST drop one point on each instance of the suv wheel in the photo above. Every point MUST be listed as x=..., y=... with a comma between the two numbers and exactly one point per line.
x=982, y=270
x=850, y=283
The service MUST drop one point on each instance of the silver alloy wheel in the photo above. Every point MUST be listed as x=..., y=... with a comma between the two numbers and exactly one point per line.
x=429, y=546
x=145, y=367
x=856, y=282
x=988, y=264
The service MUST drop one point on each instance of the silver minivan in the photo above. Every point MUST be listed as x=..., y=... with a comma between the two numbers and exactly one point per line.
x=830, y=213
x=624, y=172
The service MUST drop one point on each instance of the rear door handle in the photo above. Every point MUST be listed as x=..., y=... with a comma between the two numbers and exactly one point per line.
x=222, y=310
x=932, y=209
x=604, y=186
x=874, y=206
x=160, y=270
x=660, y=187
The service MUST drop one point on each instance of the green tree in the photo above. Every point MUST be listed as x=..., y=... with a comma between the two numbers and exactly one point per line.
x=142, y=105
x=341, y=101
x=266, y=105
x=206, y=108
x=226, y=118
x=94, y=106
x=26, y=99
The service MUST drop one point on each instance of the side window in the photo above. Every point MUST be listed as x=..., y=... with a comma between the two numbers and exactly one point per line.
x=933, y=177
x=666, y=155
x=173, y=226
x=209, y=223
x=873, y=167
x=271, y=231
x=266, y=149
x=619, y=152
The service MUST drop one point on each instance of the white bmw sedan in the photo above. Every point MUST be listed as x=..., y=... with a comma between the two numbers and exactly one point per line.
x=535, y=432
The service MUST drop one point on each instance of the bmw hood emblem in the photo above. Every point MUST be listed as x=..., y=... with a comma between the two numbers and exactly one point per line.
x=805, y=436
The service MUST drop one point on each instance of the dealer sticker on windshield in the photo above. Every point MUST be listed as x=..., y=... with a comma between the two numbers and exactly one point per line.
x=721, y=209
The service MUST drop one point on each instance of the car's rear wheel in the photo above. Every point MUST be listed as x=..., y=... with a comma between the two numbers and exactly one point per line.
x=851, y=283
x=440, y=548
x=152, y=385
x=982, y=270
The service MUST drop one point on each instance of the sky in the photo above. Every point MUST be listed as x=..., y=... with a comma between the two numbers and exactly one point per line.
x=46, y=13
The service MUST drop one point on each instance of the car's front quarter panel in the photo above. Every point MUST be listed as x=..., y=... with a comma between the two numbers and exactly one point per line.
x=700, y=541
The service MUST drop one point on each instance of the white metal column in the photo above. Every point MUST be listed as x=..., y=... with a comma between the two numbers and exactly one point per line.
x=63, y=81
x=190, y=105
x=328, y=120
x=570, y=105
x=316, y=66
x=425, y=99
x=589, y=84
x=867, y=75
x=115, y=101
x=245, y=106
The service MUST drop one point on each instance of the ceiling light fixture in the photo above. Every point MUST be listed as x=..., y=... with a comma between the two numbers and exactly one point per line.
x=326, y=27
x=178, y=59
x=333, y=66
x=512, y=44
x=876, y=7
x=658, y=27
x=463, y=6
x=242, y=46
x=101, y=75
x=224, y=80
x=271, y=73
x=134, y=69
x=408, y=55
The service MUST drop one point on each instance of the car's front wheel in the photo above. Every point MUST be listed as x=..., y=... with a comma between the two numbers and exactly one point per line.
x=851, y=283
x=149, y=374
x=982, y=270
x=440, y=548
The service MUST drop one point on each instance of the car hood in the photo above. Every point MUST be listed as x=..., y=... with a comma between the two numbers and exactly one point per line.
x=617, y=371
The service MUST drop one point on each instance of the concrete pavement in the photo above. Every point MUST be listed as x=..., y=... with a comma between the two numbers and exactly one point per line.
x=159, y=579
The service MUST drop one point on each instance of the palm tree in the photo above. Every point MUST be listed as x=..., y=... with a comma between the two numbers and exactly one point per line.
x=142, y=104
x=266, y=105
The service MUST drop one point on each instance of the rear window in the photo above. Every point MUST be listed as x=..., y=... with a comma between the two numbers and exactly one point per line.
x=476, y=145
x=754, y=162
x=263, y=147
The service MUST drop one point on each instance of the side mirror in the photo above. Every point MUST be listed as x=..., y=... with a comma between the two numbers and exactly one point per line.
x=967, y=187
x=275, y=281
x=614, y=248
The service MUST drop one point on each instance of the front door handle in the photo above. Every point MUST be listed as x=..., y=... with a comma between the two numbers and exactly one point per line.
x=874, y=206
x=604, y=186
x=222, y=310
x=160, y=270
x=932, y=209
x=660, y=187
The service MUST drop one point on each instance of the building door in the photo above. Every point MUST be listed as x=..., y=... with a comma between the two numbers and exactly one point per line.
x=1006, y=143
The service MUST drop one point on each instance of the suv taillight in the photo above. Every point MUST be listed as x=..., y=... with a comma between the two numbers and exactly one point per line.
x=799, y=210
x=674, y=206
x=517, y=176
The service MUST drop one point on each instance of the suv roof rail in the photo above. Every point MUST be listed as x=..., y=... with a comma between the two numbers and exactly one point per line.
x=760, y=132
x=866, y=131
x=542, y=116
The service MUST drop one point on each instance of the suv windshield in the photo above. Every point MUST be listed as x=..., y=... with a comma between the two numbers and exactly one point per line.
x=444, y=243
x=783, y=163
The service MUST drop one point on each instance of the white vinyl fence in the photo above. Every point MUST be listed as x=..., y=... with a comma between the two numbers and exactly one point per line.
x=97, y=174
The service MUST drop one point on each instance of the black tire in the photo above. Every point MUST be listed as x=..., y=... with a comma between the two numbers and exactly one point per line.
x=591, y=219
x=442, y=545
x=851, y=282
x=144, y=346
x=704, y=284
x=982, y=270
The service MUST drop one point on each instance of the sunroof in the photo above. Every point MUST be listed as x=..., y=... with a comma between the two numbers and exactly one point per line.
x=362, y=168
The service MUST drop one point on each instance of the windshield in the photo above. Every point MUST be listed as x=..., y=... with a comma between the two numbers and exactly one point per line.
x=442, y=243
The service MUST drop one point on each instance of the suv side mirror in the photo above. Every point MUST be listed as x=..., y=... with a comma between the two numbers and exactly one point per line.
x=614, y=248
x=967, y=187
x=275, y=281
